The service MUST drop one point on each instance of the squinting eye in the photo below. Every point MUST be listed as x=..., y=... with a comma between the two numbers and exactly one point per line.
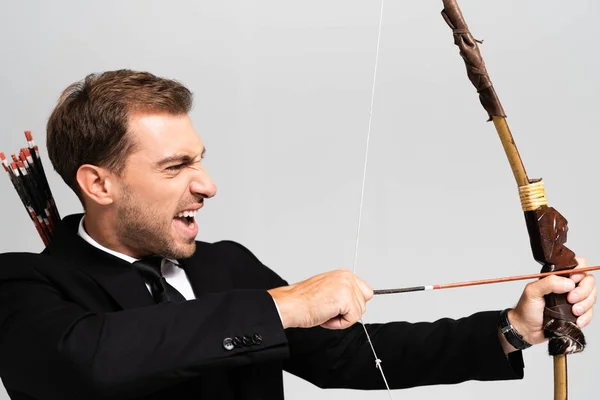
x=175, y=167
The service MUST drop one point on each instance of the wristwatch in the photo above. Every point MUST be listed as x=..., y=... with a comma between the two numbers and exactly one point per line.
x=510, y=333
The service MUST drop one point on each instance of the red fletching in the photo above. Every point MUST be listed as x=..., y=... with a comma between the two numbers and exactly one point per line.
x=4, y=161
x=26, y=173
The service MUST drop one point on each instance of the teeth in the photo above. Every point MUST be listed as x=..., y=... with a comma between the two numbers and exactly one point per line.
x=190, y=213
x=191, y=225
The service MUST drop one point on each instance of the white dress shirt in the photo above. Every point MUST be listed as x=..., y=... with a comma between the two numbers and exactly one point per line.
x=170, y=269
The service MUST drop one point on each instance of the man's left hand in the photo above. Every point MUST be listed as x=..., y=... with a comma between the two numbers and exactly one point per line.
x=527, y=317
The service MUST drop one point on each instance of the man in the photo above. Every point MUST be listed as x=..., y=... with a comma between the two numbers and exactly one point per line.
x=96, y=316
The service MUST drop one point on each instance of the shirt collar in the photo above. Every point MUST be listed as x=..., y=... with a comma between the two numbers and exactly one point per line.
x=84, y=235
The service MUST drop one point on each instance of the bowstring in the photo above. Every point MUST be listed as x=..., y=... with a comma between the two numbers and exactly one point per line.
x=362, y=191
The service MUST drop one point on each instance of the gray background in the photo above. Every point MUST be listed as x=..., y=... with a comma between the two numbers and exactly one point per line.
x=282, y=95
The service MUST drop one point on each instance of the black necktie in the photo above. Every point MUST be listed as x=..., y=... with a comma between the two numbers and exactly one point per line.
x=162, y=292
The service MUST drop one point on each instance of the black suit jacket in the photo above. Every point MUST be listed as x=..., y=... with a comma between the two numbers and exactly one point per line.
x=78, y=323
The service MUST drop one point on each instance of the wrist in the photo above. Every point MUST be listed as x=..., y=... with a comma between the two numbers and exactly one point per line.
x=512, y=339
x=282, y=304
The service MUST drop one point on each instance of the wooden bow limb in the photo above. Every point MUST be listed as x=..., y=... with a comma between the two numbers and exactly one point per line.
x=546, y=227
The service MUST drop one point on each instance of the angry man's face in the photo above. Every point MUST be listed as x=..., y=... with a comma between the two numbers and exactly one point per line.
x=162, y=187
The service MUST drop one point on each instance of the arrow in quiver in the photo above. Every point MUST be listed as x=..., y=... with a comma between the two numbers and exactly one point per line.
x=26, y=173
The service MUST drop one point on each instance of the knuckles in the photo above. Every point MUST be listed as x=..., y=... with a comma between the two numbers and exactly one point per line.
x=530, y=290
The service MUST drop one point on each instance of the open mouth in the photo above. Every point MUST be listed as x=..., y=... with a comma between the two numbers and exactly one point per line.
x=186, y=223
x=187, y=217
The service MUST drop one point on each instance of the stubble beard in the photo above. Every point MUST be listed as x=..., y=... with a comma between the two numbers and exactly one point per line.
x=144, y=228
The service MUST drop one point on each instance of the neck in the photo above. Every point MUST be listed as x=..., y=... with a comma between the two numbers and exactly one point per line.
x=102, y=229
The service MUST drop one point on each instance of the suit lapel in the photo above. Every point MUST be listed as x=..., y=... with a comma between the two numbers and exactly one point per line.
x=114, y=275
x=205, y=271
x=195, y=277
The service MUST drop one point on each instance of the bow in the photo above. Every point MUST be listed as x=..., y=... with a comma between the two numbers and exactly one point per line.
x=546, y=227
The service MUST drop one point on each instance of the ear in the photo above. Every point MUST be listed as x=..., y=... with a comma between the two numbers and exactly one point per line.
x=96, y=184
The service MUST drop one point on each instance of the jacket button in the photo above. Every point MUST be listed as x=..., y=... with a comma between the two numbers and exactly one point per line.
x=228, y=344
x=246, y=340
x=237, y=341
x=257, y=339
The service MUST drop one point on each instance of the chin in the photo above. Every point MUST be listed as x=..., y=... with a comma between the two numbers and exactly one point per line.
x=187, y=250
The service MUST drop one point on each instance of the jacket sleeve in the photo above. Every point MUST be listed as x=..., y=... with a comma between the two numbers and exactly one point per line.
x=446, y=351
x=70, y=352
x=413, y=354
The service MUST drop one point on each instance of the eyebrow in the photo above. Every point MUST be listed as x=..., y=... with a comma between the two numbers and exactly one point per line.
x=179, y=158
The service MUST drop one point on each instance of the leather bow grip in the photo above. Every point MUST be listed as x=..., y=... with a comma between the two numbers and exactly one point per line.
x=547, y=230
x=469, y=51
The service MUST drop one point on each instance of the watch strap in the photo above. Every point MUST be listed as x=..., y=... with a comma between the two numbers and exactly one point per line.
x=510, y=333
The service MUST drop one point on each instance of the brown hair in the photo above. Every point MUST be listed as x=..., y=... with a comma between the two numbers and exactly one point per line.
x=90, y=122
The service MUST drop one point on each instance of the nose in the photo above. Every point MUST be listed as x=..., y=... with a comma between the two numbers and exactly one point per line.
x=202, y=185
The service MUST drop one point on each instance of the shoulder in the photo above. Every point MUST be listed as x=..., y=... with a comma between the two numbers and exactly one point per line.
x=226, y=250
x=235, y=257
x=235, y=250
x=33, y=266
x=17, y=266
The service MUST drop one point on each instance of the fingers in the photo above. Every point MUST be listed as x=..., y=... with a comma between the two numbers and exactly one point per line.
x=333, y=300
x=363, y=293
x=360, y=307
x=353, y=303
x=550, y=284
x=584, y=296
x=333, y=323
x=338, y=323
x=585, y=319
x=581, y=288
x=345, y=319
x=584, y=289
x=367, y=291
x=586, y=305
x=581, y=263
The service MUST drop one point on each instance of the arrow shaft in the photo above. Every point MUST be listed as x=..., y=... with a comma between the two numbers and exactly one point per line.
x=484, y=281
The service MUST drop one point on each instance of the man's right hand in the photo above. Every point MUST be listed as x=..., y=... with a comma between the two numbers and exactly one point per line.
x=333, y=300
